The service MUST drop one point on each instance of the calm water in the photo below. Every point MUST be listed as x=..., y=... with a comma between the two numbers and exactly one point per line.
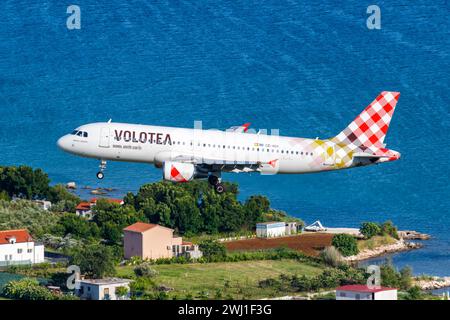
x=307, y=69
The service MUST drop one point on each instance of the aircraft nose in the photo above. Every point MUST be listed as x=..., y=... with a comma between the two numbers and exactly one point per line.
x=63, y=143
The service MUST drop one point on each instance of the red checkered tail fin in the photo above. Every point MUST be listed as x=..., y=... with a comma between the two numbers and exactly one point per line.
x=369, y=129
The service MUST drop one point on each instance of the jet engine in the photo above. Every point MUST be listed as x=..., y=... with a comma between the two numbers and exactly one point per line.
x=180, y=171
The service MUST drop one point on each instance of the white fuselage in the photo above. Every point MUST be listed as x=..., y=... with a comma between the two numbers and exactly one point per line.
x=156, y=144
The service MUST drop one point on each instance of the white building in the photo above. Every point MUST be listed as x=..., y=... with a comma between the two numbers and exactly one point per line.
x=270, y=229
x=103, y=289
x=291, y=228
x=43, y=204
x=363, y=292
x=18, y=247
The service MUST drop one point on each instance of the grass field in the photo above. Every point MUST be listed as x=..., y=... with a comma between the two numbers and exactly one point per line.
x=238, y=280
x=375, y=242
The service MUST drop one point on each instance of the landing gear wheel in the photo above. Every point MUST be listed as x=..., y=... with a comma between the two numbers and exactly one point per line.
x=213, y=180
x=100, y=175
x=219, y=188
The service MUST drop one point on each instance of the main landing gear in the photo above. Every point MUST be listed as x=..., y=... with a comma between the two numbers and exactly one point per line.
x=102, y=166
x=214, y=180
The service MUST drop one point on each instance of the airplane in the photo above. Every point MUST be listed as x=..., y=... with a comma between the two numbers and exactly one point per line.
x=186, y=154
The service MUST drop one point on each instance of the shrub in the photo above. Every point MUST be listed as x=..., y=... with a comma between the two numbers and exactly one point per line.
x=332, y=257
x=267, y=283
x=26, y=289
x=414, y=293
x=390, y=229
x=212, y=249
x=144, y=270
x=369, y=229
x=345, y=243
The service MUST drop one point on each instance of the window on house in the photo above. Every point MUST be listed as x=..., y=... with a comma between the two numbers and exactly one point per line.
x=342, y=294
x=19, y=250
x=358, y=296
x=30, y=250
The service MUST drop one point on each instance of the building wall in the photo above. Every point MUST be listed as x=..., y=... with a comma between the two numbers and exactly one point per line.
x=157, y=243
x=386, y=295
x=9, y=253
x=132, y=244
x=270, y=230
x=351, y=295
x=97, y=291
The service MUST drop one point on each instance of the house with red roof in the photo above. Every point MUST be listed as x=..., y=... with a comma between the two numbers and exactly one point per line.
x=18, y=247
x=152, y=241
x=84, y=209
x=364, y=292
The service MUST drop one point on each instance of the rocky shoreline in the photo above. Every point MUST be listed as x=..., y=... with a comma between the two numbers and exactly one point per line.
x=432, y=283
x=400, y=245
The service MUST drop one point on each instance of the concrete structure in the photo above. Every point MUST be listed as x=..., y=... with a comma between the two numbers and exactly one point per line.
x=291, y=228
x=43, y=204
x=84, y=209
x=315, y=227
x=363, y=292
x=270, y=229
x=102, y=289
x=152, y=241
x=18, y=247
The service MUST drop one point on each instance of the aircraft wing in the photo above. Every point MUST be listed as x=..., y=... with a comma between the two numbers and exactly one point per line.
x=240, y=129
x=217, y=164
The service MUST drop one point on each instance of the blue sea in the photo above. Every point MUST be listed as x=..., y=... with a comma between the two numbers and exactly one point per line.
x=304, y=67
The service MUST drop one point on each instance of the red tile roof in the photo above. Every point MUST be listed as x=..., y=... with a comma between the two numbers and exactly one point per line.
x=142, y=227
x=83, y=206
x=363, y=288
x=111, y=200
x=21, y=235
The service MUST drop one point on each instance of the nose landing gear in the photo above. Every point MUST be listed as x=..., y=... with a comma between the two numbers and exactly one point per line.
x=214, y=180
x=102, y=166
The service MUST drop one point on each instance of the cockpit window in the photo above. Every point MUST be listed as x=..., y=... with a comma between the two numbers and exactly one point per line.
x=83, y=134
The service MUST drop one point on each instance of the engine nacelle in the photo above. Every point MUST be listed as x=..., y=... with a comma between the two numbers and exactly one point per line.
x=178, y=171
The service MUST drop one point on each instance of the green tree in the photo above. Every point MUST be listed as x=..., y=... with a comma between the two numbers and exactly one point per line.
x=187, y=215
x=369, y=229
x=76, y=226
x=24, y=182
x=94, y=260
x=212, y=249
x=345, y=243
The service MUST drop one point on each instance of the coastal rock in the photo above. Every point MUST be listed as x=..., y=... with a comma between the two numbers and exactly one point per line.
x=71, y=185
x=432, y=283
x=98, y=192
x=400, y=245
x=413, y=235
